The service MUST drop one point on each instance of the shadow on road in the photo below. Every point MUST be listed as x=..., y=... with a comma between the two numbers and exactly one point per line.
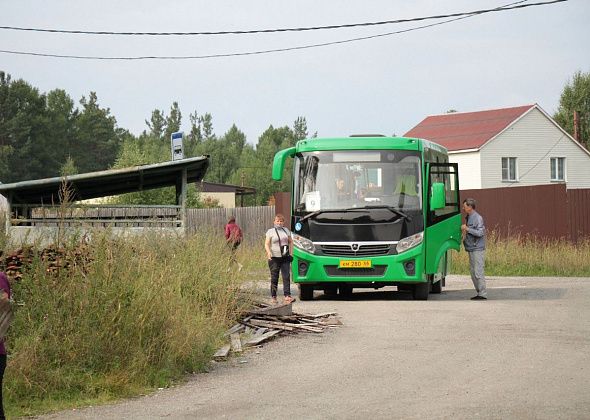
x=496, y=293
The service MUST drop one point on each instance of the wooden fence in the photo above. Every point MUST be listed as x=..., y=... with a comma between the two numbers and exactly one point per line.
x=254, y=221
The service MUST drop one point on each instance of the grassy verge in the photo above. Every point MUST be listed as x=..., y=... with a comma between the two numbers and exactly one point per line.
x=137, y=314
x=526, y=256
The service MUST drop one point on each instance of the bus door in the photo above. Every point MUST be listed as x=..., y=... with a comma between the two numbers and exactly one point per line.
x=443, y=215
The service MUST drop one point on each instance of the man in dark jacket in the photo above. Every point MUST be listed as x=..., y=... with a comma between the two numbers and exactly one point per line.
x=474, y=241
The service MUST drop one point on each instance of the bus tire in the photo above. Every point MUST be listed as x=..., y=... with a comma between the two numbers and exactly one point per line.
x=420, y=291
x=437, y=287
x=305, y=292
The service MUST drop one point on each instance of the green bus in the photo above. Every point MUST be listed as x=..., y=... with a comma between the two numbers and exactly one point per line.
x=371, y=211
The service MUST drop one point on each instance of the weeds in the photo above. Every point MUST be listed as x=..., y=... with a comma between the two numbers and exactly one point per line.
x=136, y=314
x=529, y=256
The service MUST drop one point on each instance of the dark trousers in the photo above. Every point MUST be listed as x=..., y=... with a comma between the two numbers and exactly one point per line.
x=277, y=265
x=2, y=368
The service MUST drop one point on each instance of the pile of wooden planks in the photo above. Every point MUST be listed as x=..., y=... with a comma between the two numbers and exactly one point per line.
x=265, y=322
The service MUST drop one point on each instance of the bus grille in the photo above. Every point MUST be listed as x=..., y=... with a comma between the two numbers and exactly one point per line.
x=334, y=271
x=363, y=250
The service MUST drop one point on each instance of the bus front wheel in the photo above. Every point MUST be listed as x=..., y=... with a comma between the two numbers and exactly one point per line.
x=421, y=290
x=437, y=286
x=305, y=292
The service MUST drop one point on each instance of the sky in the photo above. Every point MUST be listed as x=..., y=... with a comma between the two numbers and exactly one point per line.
x=384, y=85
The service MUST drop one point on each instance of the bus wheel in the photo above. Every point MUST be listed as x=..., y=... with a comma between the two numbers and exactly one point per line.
x=437, y=287
x=345, y=290
x=420, y=291
x=305, y=292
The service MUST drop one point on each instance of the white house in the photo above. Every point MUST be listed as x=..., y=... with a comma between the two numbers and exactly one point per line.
x=517, y=146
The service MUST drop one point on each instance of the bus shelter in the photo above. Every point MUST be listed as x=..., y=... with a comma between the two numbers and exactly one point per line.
x=37, y=207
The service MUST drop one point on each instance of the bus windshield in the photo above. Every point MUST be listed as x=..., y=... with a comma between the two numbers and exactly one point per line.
x=345, y=179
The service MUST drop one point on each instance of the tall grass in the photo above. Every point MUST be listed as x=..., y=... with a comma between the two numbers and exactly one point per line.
x=529, y=256
x=139, y=314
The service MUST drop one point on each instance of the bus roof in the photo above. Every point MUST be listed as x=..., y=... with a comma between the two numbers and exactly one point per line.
x=366, y=143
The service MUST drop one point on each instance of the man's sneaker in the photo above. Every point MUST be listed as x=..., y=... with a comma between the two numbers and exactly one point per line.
x=479, y=298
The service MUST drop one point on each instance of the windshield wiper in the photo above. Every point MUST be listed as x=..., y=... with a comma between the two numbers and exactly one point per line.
x=392, y=209
x=310, y=215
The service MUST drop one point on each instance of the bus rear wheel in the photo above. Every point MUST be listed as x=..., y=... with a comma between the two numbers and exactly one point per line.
x=305, y=292
x=421, y=290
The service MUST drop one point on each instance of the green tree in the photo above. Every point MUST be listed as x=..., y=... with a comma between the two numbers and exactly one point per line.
x=576, y=97
x=24, y=148
x=300, y=128
x=69, y=167
x=61, y=116
x=173, y=121
x=97, y=142
x=157, y=123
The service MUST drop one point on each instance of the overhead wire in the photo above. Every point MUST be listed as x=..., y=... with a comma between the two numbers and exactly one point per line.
x=508, y=6
x=512, y=6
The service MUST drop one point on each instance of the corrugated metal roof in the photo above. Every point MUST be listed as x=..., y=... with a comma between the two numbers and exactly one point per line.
x=466, y=130
x=107, y=183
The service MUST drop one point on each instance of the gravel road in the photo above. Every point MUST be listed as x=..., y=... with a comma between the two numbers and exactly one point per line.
x=523, y=354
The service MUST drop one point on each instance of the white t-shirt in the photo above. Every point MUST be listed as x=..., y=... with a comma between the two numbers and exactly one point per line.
x=284, y=235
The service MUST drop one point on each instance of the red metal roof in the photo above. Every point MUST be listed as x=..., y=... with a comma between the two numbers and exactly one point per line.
x=466, y=130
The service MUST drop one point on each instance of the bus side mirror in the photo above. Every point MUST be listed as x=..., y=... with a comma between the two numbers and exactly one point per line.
x=278, y=163
x=437, y=197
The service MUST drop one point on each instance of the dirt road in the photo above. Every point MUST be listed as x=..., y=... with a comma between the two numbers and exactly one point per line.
x=524, y=353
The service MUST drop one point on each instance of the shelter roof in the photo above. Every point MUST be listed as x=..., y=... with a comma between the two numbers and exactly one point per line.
x=106, y=183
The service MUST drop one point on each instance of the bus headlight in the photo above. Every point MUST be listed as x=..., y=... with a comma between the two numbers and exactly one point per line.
x=409, y=242
x=303, y=243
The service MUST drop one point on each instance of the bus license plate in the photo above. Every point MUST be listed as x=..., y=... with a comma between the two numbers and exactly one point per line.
x=355, y=264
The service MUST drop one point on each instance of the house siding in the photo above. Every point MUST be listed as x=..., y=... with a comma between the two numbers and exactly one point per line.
x=469, y=169
x=533, y=140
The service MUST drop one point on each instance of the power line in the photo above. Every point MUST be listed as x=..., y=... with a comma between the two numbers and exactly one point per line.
x=515, y=5
x=259, y=52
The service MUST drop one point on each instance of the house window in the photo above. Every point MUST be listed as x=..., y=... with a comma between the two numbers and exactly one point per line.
x=558, y=169
x=509, y=169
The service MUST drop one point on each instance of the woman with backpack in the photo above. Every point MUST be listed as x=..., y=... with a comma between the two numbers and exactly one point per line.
x=233, y=237
x=278, y=244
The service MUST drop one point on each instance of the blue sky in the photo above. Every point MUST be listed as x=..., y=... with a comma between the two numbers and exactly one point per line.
x=385, y=85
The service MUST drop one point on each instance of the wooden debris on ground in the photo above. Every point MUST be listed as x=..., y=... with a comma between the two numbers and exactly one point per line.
x=264, y=321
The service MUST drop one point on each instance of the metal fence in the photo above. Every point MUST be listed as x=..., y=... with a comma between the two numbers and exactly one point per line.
x=544, y=211
x=254, y=221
